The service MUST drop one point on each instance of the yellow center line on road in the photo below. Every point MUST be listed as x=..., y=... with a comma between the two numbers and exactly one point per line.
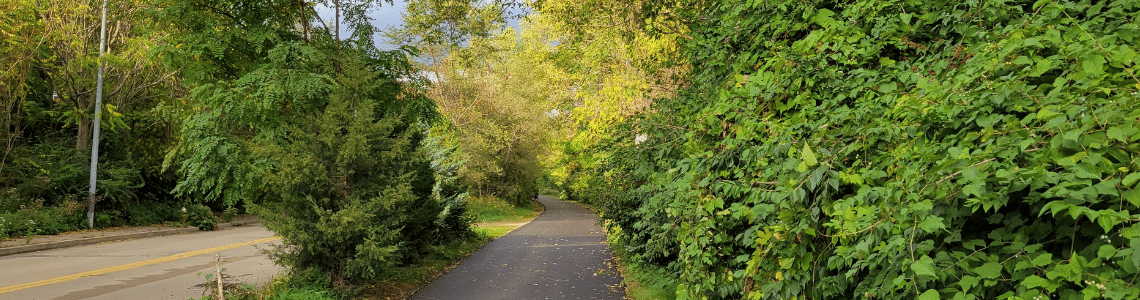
x=13, y=288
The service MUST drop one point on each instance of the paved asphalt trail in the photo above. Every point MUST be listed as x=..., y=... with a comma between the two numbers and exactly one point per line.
x=560, y=255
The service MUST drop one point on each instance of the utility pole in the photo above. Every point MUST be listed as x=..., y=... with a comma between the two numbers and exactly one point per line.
x=336, y=20
x=98, y=113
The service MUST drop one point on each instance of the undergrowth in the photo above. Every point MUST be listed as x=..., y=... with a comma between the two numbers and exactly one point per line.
x=888, y=150
x=36, y=219
x=641, y=281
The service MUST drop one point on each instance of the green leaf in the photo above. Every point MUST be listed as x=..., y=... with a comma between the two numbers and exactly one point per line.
x=1106, y=221
x=1028, y=42
x=968, y=282
x=850, y=178
x=1071, y=160
x=1106, y=251
x=823, y=17
x=1116, y=290
x=1022, y=60
x=924, y=267
x=973, y=189
x=1133, y=196
x=1043, y=65
x=1034, y=281
x=1093, y=66
x=1116, y=133
x=922, y=206
x=809, y=156
x=1130, y=179
x=932, y=224
x=1064, y=271
x=1091, y=292
x=1135, y=244
x=886, y=61
x=930, y=294
x=987, y=121
x=1043, y=259
x=989, y=270
x=1046, y=114
x=815, y=178
x=887, y=88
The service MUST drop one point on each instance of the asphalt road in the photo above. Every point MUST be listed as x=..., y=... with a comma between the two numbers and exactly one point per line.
x=153, y=268
x=560, y=255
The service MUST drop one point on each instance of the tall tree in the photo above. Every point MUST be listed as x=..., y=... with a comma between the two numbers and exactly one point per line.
x=490, y=85
x=503, y=112
x=618, y=57
x=49, y=84
x=24, y=37
x=440, y=27
x=73, y=30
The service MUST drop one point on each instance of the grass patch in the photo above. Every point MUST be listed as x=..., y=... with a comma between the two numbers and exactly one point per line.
x=491, y=209
x=495, y=218
x=304, y=294
x=647, y=282
x=494, y=231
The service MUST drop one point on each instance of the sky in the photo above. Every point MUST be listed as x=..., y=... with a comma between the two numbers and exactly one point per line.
x=384, y=17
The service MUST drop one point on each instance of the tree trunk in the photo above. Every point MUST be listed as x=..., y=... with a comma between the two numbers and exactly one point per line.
x=305, y=20
x=11, y=130
x=83, y=138
x=339, y=272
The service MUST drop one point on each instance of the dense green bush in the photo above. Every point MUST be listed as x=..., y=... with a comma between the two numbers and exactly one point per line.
x=38, y=220
x=354, y=189
x=70, y=215
x=894, y=150
x=47, y=172
x=446, y=159
x=147, y=213
x=102, y=220
x=201, y=216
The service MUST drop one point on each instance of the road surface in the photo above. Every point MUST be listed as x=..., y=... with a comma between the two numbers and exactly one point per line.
x=560, y=255
x=153, y=268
